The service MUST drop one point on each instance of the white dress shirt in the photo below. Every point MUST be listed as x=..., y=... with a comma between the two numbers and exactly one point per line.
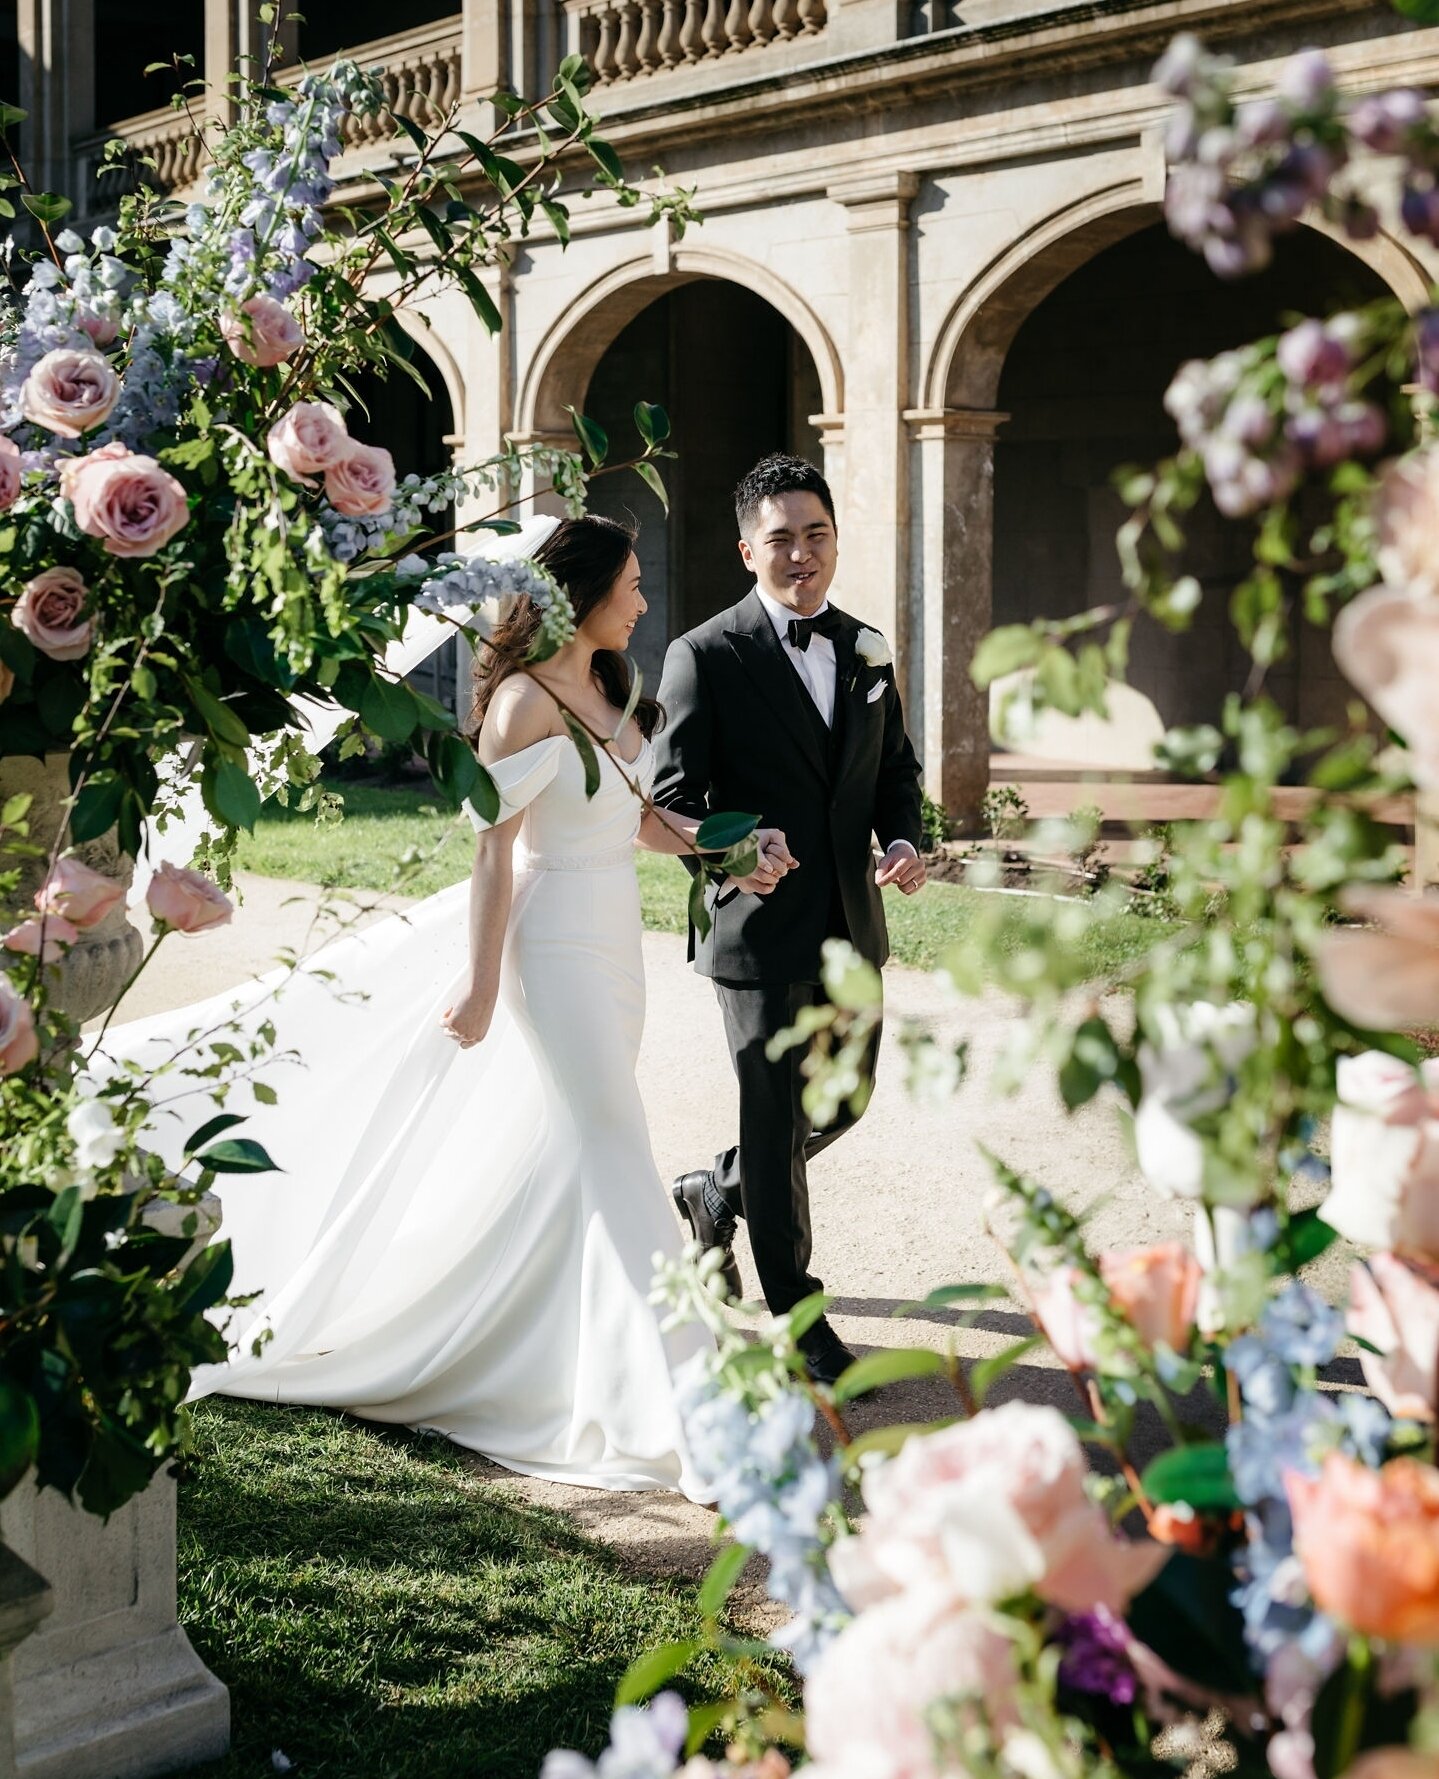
x=814, y=665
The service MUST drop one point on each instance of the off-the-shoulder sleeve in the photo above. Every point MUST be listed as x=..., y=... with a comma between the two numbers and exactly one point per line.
x=519, y=778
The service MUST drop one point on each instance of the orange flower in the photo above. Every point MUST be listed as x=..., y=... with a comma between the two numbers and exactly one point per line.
x=1156, y=1290
x=1369, y=1544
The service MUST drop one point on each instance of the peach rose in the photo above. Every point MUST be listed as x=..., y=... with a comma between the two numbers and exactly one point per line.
x=989, y=1508
x=54, y=933
x=48, y=612
x=1384, y=1154
x=1368, y=1541
x=127, y=500
x=867, y=1699
x=18, y=1042
x=1386, y=644
x=84, y=897
x=69, y=392
x=1395, y=1307
x=1406, y=515
x=9, y=473
x=262, y=332
x=1156, y=1290
x=307, y=441
x=187, y=901
x=362, y=482
x=1384, y=977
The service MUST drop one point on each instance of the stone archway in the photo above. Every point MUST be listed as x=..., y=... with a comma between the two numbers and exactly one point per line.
x=976, y=402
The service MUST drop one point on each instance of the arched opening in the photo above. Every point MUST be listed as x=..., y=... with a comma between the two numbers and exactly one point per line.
x=737, y=382
x=1082, y=383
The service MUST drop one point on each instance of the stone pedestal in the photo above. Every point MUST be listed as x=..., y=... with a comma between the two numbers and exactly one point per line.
x=110, y=1687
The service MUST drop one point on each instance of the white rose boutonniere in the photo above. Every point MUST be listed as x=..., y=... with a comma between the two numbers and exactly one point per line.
x=872, y=649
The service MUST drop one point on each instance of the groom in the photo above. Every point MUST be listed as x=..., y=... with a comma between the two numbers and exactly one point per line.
x=784, y=704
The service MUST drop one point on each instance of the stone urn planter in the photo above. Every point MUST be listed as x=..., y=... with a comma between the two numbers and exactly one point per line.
x=108, y=1686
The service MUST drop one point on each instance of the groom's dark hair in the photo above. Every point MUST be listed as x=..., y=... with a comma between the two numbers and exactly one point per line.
x=778, y=474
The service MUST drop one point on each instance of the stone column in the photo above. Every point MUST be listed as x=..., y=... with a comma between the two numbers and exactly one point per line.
x=955, y=559
x=831, y=444
x=484, y=64
x=875, y=496
x=236, y=41
x=25, y=1600
x=57, y=87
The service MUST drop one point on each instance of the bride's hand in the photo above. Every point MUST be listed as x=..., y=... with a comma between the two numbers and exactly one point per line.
x=775, y=861
x=468, y=1020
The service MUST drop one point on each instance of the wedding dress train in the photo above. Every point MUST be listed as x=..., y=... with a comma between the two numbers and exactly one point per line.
x=465, y=1240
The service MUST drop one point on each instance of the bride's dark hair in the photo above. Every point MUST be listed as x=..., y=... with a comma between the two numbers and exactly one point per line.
x=586, y=556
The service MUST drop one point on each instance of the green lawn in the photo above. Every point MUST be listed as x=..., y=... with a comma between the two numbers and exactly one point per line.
x=380, y=824
x=380, y=1612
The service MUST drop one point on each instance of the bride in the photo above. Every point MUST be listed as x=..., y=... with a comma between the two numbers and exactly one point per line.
x=464, y=1235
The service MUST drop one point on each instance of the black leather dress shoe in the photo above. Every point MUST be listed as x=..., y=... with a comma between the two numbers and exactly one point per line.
x=709, y=1231
x=826, y=1357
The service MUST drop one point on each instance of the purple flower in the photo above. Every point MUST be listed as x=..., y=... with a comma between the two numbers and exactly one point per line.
x=1306, y=81
x=1096, y=1656
x=1384, y=120
x=1180, y=65
x=1310, y=354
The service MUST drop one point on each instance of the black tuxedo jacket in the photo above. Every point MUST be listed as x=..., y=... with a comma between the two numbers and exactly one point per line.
x=742, y=733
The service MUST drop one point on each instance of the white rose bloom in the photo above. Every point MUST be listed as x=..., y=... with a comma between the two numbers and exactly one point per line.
x=97, y=1138
x=1185, y=1075
x=871, y=648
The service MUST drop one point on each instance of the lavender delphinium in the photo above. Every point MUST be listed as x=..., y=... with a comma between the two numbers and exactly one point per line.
x=1095, y=1656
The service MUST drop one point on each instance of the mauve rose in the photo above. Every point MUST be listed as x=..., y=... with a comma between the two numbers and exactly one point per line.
x=54, y=933
x=308, y=440
x=1386, y=644
x=84, y=897
x=1394, y=1306
x=126, y=500
x=987, y=1508
x=1368, y=1541
x=9, y=472
x=69, y=392
x=18, y=1042
x=867, y=1698
x=1384, y=1154
x=1156, y=1290
x=262, y=332
x=362, y=482
x=186, y=900
x=1384, y=976
x=101, y=328
x=48, y=612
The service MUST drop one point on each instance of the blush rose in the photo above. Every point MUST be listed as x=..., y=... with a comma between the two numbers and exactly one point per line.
x=362, y=483
x=48, y=938
x=262, y=332
x=186, y=901
x=1384, y=1154
x=69, y=392
x=49, y=610
x=307, y=441
x=82, y=896
x=18, y=1042
x=127, y=500
x=1394, y=1307
x=9, y=473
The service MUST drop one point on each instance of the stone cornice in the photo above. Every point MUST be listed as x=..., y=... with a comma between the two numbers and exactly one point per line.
x=876, y=198
x=953, y=423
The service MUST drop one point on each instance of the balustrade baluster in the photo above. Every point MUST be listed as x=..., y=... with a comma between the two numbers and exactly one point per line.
x=670, y=47
x=786, y=19
x=736, y=26
x=761, y=21
x=647, y=48
x=692, y=42
x=625, y=64
x=605, y=49
x=713, y=31
x=811, y=17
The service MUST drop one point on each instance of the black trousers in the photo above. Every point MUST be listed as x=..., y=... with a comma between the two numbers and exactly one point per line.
x=764, y=1177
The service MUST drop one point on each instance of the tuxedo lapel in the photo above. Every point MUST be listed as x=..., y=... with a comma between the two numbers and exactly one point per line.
x=753, y=639
x=849, y=697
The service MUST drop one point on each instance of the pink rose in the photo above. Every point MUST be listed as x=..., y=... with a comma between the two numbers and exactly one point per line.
x=1156, y=1290
x=1368, y=1541
x=9, y=473
x=1386, y=643
x=1384, y=1154
x=49, y=613
x=187, y=901
x=127, y=500
x=1395, y=1307
x=309, y=440
x=84, y=897
x=18, y=1042
x=54, y=932
x=362, y=482
x=1384, y=976
x=262, y=332
x=1071, y=1326
x=989, y=1508
x=867, y=1698
x=102, y=329
x=69, y=392
x=71, y=469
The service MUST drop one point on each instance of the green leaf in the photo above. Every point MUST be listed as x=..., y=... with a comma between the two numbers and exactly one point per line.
x=484, y=797
x=806, y=1313
x=719, y=832
x=1195, y=1475
x=1306, y=1238
x=205, y=1280
x=699, y=914
x=222, y=722
x=11, y=115
x=946, y=1295
x=19, y=1434
x=1004, y=651
x=719, y=1582
x=888, y=1440
x=98, y=807
x=230, y=794
x=412, y=130
x=652, y=423
x=1426, y=12
x=46, y=207
x=592, y=436
x=652, y=480
x=67, y=1218
x=890, y=1366
x=388, y=709
x=239, y=1155
x=481, y=301
x=212, y=1128
x=454, y=765
x=650, y=1671
x=1353, y=1713
x=588, y=757
x=559, y=219
x=987, y=1372
x=605, y=159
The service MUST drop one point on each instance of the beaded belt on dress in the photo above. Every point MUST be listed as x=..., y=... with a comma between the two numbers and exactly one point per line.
x=525, y=860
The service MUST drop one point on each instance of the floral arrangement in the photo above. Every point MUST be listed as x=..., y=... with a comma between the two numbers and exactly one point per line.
x=1220, y=1558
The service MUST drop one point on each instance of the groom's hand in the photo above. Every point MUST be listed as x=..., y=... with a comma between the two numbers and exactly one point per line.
x=775, y=861
x=903, y=867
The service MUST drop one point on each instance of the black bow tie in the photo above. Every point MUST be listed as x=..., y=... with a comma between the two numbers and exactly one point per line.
x=825, y=623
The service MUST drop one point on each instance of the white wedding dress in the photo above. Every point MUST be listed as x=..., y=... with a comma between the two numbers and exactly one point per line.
x=465, y=1240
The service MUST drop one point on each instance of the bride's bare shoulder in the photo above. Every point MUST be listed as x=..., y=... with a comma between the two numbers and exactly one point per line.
x=521, y=713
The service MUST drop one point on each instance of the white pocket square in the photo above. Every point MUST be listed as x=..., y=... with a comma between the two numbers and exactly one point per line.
x=875, y=691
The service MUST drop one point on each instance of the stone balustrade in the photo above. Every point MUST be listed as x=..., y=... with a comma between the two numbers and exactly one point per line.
x=421, y=80
x=628, y=39
x=161, y=148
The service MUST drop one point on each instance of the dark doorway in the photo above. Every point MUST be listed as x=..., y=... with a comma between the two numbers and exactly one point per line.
x=326, y=30
x=737, y=382
x=1084, y=383
x=129, y=36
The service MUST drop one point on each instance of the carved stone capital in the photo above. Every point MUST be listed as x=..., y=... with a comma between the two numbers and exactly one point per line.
x=953, y=423
x=879, y=200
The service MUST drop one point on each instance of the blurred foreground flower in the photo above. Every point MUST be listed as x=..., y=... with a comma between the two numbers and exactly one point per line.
x=1369, y=1544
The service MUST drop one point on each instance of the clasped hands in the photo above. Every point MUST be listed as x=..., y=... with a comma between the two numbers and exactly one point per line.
x=901, y=866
